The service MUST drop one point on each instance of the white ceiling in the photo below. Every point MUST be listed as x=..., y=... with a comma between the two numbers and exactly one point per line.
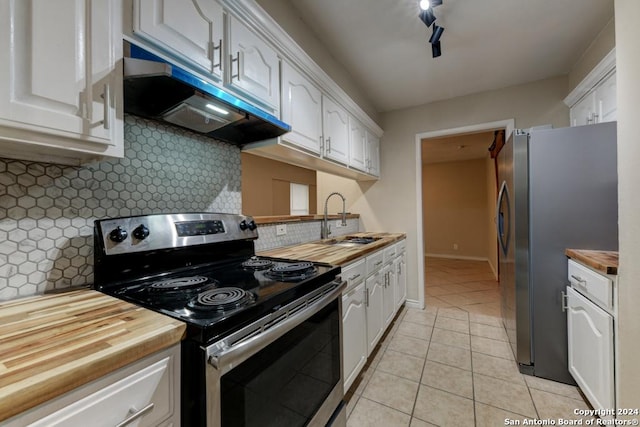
x=487, y=44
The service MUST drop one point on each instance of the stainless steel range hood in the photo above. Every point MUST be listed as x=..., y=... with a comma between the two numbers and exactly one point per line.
x=156, y=89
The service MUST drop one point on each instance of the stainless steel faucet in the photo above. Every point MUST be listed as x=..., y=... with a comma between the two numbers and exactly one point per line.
x=325, y=229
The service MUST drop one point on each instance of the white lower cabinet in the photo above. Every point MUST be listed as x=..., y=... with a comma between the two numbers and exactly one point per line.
x=374, y=293
x=145, y=393
x=354, y=349
x=590, y=334
x=375, y=309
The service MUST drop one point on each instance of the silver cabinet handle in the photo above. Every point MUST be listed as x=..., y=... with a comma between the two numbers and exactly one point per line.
x=579, y=279
x=236, y=60
x=328, y=144
x=354, y=277
x=366, y=297
x=399, y=268
x=564, y=304
x=135, y=415
x=377, y=263
x=106, y=94
x=219, y=49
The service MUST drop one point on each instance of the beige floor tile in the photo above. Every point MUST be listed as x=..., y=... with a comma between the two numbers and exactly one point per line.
x=447, y=378
x=444, y=336
x=476, y=316
x=489, y=416
x=452, y=324
x=496, y=367
x=416, y=422
x=415, y=330
x=409, y=345
x=457, y=299
x=449, y=355
x=421, y=317
x=491, y=347
x=371, y=414
x=435, y=302
x=551, y=405
x=402, y=365
x=553, y=387
x=513, y=397
x=359, y=384
x=480, y=297
x=392, y=391
x=482, y=285
x=443, y=409
x=486, y=331
x=453, y=313
x=436, y=291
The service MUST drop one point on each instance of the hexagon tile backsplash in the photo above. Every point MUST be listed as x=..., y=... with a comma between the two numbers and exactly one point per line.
x=47, y=211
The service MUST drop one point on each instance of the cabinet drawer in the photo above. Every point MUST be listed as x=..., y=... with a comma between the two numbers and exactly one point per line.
x=375, y=261
x=401, y=247
x=354, y=273
x=595, y=286
x=390, y=253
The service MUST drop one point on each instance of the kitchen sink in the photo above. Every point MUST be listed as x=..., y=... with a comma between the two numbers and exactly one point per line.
x=351, y=241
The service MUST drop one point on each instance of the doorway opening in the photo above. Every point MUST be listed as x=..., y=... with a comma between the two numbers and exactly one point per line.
x=456, y=214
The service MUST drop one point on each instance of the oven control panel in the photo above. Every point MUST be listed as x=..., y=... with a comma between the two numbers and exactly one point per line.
x=154, y=232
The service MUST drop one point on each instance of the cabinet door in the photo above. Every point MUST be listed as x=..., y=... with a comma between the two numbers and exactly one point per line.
x=606, y=102
x=354, y=337
x=60, y=77
x=582, y=112
x=375, y=316
x=302, y=109
x=373, y=154
x=253, y=65
x=336, y=131
x=401, y=280
x=389, y=301
x=357, y=145
x=590, y=335
x=189, y=30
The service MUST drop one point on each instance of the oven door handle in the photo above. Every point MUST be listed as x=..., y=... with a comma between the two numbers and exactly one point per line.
x=224, y=357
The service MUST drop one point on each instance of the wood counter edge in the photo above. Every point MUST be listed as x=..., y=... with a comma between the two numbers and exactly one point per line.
x=594, y=259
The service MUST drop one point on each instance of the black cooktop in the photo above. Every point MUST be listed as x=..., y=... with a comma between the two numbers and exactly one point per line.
x=216, y=300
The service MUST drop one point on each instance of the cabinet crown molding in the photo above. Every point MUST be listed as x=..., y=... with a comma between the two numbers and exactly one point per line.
x=599, y=72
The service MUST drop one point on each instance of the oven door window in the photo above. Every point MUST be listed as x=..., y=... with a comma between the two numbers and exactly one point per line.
x=286, y=383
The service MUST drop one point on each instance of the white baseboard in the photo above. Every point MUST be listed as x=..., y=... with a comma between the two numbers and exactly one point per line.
x=448, y=256
x=412, y=303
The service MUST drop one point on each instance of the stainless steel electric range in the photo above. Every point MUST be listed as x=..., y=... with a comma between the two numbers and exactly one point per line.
x=264, y=336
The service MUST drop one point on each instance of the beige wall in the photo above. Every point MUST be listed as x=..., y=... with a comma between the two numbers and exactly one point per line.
x=284, y=14
x=266, y=186
x=454, y=200
x=627, y=13
x=599, y=48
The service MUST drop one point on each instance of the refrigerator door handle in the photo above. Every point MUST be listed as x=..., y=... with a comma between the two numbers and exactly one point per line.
x=500, y=217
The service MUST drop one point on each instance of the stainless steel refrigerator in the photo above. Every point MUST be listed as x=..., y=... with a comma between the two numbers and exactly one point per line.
x=558, y=190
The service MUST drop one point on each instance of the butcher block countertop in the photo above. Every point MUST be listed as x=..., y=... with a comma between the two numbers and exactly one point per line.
x=603, y=261
x=320, y=251
x=51, y=344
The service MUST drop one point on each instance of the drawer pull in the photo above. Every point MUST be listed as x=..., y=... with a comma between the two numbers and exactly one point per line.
x=354, y=277
x=377, y=263
x=579, y=279
x=564, y=304
x=135, y=415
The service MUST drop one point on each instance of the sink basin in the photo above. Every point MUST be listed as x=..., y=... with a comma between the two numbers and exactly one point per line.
x=351, y=241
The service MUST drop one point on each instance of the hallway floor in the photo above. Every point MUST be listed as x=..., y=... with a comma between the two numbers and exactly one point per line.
x=450, y=364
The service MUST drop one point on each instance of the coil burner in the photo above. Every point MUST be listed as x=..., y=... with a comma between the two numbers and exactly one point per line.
x=292, y=272
x=221, y=299
x=178, y=284
x=256, y=264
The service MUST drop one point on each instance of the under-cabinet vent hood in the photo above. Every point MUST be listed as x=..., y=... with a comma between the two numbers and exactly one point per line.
x=156, y=89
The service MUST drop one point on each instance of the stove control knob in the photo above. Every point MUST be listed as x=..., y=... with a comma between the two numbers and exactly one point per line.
x=243, y=225
x=141, y=232
x=252, y=225
x=118, y=234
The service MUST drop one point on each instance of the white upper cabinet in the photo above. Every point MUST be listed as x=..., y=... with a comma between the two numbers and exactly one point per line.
x=373, y=154
x=61, y=80
x=335, y=121
x=357, y=145
x=302, y=109
x=254, y=66
x=606, y=100
x=190, y=30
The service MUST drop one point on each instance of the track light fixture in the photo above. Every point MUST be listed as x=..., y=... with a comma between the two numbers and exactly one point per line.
x=428, y=17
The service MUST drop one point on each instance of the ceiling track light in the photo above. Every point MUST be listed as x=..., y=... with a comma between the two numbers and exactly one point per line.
x=428, y=17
